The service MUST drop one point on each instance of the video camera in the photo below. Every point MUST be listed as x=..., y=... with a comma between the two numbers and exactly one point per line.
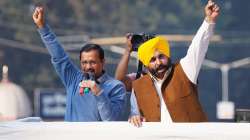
x=138, y=39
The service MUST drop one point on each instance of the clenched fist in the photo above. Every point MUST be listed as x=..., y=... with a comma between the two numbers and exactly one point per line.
x=211, y=11
x=38, y=17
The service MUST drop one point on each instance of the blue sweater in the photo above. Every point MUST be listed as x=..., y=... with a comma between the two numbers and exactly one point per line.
x=108, y=106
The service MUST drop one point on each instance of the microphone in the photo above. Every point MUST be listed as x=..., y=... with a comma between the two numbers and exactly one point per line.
x=87, y=76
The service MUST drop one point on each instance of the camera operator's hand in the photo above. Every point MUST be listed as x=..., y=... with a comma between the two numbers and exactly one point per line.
x=95, y=89
x=128, y=42
x=122, y=68
x=38, y=17
x=211, y=11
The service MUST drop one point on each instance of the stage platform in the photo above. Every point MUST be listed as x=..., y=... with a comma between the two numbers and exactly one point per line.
x=122, y=131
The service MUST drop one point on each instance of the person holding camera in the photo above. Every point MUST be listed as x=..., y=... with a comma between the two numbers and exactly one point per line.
x=122, y=68
x=133, y=41
x=168, y=92
x=92, y=95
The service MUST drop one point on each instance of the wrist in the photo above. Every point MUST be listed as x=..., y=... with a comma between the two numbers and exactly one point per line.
x=98, y=92
x=127, y=51
x=40, y=25
x=95, y=89
x=209, y=19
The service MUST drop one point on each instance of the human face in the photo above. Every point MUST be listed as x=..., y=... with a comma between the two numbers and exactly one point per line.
x=158, y=64
x=91, y=62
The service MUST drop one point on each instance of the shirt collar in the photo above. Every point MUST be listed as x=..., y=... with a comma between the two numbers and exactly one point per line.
x=102, y=78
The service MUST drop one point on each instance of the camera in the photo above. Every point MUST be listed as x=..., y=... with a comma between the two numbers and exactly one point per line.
x=138, y=39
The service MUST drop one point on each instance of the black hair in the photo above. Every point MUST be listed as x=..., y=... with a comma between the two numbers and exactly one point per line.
x=90, y=47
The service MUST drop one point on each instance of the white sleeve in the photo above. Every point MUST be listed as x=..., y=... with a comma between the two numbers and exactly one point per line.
x=133, y=103
x=191, y=63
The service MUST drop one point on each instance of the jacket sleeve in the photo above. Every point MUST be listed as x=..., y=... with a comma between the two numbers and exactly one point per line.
x=60, y=60
x=112, y=105
x=134, y=107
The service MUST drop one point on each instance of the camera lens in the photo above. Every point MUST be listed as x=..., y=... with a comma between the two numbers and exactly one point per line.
x=136, y=39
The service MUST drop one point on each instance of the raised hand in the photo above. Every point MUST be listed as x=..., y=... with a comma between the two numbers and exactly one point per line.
x=211, y=11
x=128, y=42
x=38, y=17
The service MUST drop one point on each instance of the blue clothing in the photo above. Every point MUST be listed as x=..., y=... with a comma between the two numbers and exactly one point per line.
x=108, y=106
x=126, y=112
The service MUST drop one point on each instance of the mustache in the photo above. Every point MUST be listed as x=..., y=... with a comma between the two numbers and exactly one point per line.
x=162, y=66
x=89, y=70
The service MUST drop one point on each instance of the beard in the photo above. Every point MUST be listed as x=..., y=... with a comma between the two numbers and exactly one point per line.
x=160, y=71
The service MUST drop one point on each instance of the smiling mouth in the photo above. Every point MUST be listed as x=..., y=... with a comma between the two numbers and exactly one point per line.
x=160, y=69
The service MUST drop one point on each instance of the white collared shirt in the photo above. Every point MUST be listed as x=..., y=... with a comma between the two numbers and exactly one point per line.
x=165, y=116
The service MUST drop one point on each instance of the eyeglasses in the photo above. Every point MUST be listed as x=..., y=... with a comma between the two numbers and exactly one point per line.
x=89, y=62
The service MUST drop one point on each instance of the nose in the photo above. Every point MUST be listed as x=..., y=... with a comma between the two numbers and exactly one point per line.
x=158, y=61
x=88, y=66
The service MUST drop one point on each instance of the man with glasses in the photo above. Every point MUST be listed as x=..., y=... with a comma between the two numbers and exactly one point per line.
x=92, y=95
x=168, y=93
